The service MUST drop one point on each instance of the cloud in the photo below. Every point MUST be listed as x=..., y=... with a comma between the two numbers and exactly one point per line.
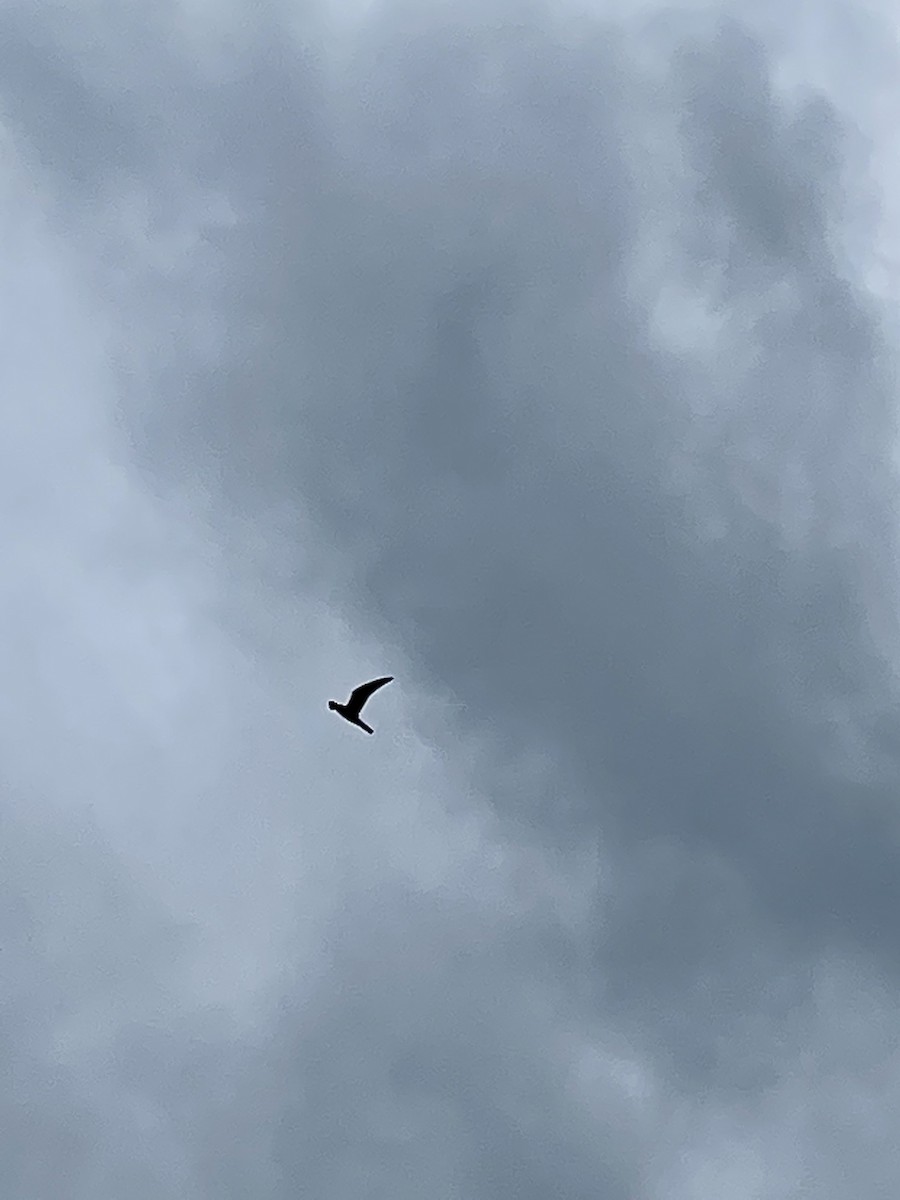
x=531, y=351
x=458, y=374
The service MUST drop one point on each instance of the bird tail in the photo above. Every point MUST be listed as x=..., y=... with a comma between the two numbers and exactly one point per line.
x=363, y=725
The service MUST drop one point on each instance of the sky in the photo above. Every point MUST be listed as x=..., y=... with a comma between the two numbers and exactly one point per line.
x=544, y=358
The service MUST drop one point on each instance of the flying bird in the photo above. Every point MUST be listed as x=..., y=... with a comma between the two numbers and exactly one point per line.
x=351, y=710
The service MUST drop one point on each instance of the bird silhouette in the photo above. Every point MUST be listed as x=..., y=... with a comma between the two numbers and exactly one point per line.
x=351, y=710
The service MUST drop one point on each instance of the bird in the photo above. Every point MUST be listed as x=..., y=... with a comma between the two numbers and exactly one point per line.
x=351, y=710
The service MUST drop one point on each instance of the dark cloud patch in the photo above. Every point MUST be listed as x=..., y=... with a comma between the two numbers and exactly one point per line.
x=775, y=172
x=456, y=373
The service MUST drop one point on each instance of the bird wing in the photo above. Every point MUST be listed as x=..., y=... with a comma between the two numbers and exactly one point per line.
x=360, y=695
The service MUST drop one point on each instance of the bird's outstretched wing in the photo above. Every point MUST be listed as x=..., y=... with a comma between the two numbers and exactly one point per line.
x=360, y=695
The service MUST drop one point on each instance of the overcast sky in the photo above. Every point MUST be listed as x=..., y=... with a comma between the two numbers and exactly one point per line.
x=545, y=359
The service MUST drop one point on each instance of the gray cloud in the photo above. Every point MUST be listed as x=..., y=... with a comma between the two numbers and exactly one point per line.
x=81, y=945
x=524, y=538
x=531, y=347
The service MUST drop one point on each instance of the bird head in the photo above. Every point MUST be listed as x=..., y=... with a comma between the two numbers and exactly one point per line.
x=332, y=704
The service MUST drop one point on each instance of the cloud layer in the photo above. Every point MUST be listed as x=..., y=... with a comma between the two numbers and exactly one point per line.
x=536, y=361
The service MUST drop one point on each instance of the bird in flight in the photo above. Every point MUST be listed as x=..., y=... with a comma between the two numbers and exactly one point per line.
x=351, y=710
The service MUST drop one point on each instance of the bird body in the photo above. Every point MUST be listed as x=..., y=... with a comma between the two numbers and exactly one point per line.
x=353, y=707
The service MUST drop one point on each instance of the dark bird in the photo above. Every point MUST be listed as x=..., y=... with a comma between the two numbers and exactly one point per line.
x=351, y=710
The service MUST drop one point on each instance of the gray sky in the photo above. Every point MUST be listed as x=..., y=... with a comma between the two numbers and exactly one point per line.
x=546, y=361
